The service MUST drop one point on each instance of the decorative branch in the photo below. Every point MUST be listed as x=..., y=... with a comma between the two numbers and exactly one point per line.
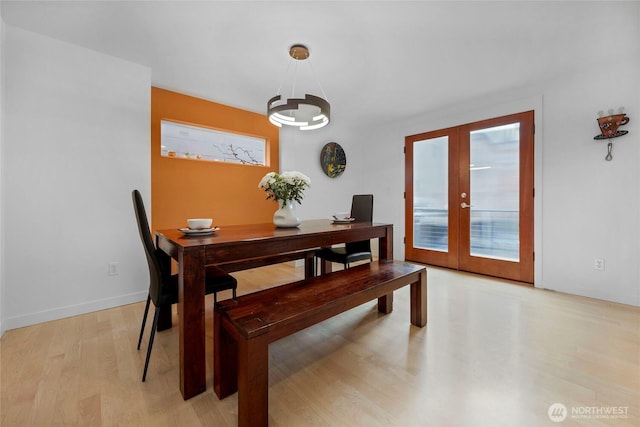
x=233, y=151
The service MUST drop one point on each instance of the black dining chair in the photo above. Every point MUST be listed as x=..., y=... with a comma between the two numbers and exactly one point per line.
x=163, y=286
x=362, y=211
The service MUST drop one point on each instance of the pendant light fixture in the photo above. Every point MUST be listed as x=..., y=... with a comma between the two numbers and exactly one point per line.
x=310, y=112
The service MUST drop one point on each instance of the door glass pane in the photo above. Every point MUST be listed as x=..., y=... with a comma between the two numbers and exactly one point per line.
x=495, y=195
x=430, y=194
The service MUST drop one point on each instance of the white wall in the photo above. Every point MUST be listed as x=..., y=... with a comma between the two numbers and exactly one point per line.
x=2, y=204
x=592, y=206
x=585, y=207
x=300, y=150
x=76, y=142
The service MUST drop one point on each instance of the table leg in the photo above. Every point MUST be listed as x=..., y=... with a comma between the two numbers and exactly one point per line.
x=165, y=320
x=385, y=244
x=193, y=372
x=385, y=251
x=309, y=266
x=419, y=300
x=325, y=266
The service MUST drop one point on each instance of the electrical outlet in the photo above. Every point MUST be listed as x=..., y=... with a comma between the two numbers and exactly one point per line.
x=113, y=269
x=598, y=264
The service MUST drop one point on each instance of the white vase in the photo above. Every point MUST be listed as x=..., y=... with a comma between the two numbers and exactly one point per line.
x=286, y=217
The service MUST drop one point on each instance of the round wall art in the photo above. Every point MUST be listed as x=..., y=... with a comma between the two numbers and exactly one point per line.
x=333, y=160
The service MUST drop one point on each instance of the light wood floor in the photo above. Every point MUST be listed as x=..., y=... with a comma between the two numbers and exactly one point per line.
x=492, y=354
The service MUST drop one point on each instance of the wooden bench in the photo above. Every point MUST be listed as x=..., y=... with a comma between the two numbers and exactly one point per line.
x=243, y=328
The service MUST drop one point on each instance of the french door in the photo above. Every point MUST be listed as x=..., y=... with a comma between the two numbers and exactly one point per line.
x=469, y=197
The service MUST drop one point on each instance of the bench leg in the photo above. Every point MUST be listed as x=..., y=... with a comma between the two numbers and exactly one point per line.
x=385, y=303
x=253, y=382
x=419, y=300
x=225, y=359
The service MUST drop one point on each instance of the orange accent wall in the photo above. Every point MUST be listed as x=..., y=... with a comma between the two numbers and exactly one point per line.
x=226, y=192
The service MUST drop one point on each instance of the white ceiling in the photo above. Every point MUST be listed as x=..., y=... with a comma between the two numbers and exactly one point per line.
x=375, y=60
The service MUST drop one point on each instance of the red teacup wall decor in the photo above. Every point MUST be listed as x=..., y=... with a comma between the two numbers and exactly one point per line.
x=609, y=124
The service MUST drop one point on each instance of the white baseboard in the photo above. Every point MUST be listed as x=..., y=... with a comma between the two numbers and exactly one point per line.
x=72, y=310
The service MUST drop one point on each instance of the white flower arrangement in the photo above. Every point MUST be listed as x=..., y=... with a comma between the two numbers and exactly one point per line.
x=285, y=187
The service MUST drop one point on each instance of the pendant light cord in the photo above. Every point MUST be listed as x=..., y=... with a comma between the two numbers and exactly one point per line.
x=324, y=95
x=284, y=76
x=295, y=78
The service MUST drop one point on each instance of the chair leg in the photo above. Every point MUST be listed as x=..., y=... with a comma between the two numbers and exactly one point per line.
x=234, y=293
x=144, y=320
x=153, y=334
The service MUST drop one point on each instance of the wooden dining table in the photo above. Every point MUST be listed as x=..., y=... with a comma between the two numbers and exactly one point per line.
x=235, y=243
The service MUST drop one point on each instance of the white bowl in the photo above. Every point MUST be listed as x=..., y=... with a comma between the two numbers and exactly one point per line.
x=341, y=216
x=199, y=223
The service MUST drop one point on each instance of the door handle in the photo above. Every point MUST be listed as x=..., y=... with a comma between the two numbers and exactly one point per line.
x=463, y=205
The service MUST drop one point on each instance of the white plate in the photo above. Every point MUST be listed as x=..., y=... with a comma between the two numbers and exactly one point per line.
x=199, y=232
x=343, y=221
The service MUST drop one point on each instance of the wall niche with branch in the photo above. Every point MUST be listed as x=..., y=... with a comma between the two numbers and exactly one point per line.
x=183, y=141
